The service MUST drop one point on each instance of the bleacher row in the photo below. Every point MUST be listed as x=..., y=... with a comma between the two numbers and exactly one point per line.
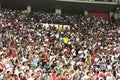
x=49, y=46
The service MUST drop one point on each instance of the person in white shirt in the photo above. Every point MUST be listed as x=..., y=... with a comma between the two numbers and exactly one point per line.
x=17, y=71
x=31, y=77
x=86, y=76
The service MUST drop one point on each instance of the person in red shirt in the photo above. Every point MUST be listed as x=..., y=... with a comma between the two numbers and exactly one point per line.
x=8, y=75
x=53, y=75
x=68, y=51
x=12, y=53
x=45, y=57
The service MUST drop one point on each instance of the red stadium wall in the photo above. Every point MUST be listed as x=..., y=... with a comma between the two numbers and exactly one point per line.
x=104, y=15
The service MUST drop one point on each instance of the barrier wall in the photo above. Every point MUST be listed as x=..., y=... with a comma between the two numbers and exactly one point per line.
x=104, y=15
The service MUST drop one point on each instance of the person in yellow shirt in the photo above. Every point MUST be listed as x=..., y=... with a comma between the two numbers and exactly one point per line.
x=59, y=28
x=65, y=40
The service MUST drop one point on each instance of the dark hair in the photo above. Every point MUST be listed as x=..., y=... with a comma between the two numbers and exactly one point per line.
x=19, y=74
x=88, y=73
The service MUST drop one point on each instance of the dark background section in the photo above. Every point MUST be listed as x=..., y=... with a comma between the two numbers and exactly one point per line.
x=50, y=5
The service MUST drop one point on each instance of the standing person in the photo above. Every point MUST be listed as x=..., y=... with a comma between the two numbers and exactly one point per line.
x=8, y=76
x=32, y=77
x=86, y=76
x=2, y=74
x=53, y=75
x=65, y=40
x=21, y=77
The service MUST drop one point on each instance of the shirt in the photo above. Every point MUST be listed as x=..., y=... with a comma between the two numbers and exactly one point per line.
x=31, y=78
x=35, y=62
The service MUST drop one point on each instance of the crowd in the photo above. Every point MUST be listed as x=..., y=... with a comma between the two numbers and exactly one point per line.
x=89, y=50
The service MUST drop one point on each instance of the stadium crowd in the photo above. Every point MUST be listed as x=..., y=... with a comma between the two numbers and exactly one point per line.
x=89, y=50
